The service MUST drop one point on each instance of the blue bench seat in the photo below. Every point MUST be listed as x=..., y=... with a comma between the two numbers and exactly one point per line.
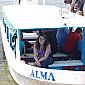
x=60, y=64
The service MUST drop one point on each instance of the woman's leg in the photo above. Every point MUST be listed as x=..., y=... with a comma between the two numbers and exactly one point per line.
x=48, y=61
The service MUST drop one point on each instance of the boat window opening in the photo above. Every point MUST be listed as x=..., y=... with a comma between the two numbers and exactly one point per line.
x=52, y=36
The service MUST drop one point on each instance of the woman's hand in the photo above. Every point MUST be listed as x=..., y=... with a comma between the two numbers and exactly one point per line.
x=38, y=64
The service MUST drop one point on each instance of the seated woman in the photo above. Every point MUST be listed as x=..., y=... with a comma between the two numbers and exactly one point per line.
x=42, y=52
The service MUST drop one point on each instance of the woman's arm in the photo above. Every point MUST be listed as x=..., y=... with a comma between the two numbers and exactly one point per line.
x=47, y=52
x=35, y=56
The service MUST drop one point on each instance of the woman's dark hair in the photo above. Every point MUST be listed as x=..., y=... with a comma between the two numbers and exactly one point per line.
x=78, y=30
x=37, y=44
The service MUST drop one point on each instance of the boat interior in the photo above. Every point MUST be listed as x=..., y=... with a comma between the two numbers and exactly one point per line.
x=62, y=61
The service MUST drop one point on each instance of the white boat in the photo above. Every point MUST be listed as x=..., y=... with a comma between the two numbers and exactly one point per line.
x=17, y=18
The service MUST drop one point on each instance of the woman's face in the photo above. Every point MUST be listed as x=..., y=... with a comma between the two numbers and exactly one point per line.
x=41, y=40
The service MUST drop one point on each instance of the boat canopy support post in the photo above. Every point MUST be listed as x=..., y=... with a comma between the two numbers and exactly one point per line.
x=18, y=45
x=10, y=38
x=83, y=47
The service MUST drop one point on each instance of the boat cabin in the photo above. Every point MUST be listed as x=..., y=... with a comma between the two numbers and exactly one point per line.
x=24, y=24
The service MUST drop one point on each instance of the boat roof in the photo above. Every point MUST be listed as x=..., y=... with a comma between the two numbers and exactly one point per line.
x=38, y=16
